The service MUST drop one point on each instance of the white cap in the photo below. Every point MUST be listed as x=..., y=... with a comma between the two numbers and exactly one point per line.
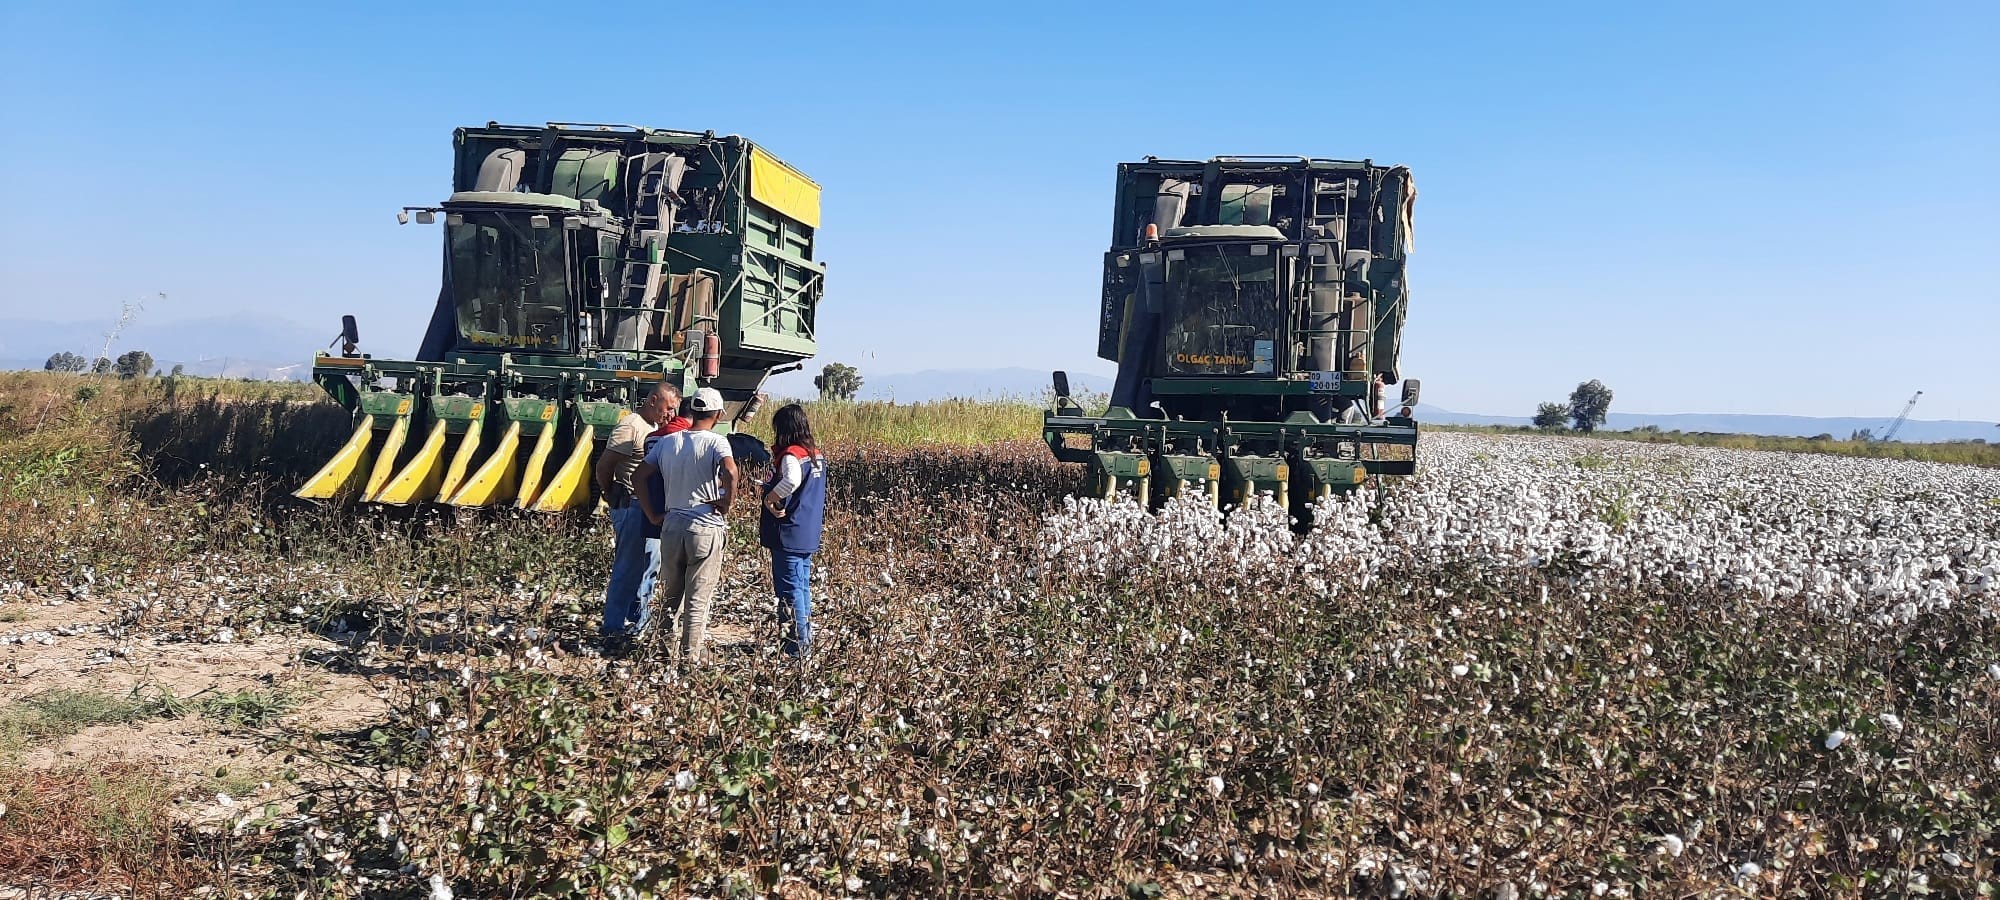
x=706, y=400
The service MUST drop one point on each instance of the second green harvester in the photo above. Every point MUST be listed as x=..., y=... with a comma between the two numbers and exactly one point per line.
x=1254, y=306
x=583, y=265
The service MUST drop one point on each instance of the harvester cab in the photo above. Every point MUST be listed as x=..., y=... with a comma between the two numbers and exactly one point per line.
x=583, y=265
x=1254, y=306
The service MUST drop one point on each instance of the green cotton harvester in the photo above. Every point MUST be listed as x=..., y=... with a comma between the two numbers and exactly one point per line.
x=1255, y=307
x=583, y=264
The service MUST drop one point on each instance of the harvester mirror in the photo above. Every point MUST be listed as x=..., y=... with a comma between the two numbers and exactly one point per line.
x=1412, y=390
x=426, y=217
x=349, y=331
x=1062, y=385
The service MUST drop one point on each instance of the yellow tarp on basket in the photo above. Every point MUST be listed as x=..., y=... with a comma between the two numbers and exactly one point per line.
x=783, y=188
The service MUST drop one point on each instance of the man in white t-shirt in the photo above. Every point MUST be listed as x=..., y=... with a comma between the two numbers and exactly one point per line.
x=698, y=472
x=635, y=558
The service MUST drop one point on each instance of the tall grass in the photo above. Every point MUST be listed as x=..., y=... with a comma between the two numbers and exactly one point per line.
x=963, y=423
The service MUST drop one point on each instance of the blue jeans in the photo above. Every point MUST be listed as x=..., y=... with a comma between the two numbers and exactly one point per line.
x=791, y=576
x=635, y=564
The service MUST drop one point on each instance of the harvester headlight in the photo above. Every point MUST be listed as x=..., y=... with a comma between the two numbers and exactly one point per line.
x=572, y=223
x=1260, y=249
x=1288, y=250
x=538, y=220
x=1149, y=259
x=451, y=218
x=426, y=217
x=402, y=218
x=1176, y=255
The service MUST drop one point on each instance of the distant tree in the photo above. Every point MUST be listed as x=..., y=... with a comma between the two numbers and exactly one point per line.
x=1551, y=416
x=1589, y=404
x=1822, y=436
x=178, y=369
x=838, y=382
x=101, y=367
x=65, y=362
x=133, y=363
x=1862, y=436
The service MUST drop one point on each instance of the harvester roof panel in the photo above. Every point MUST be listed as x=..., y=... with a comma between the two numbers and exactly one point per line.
x=514, y=198
x=1224, y=232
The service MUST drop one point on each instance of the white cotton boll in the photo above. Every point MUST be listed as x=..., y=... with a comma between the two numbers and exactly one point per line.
x=1672, y=845
x=684, y=781
x=1892, y=721
x=1215, y=785
x=1460, y=670
x=887, y=579
x=1834, y=740
x=439, y=889
x=1994, y=670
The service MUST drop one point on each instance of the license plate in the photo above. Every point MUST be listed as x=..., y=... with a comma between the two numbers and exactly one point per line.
x=1325, y=382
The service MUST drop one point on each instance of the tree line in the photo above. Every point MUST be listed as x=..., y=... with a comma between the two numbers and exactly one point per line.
x=130, y=364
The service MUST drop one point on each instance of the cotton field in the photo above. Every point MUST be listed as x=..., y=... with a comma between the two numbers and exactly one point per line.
x=1882, y=541
x=1543, y=667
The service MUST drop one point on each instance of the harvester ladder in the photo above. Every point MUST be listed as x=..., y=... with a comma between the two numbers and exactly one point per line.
x=650, y=199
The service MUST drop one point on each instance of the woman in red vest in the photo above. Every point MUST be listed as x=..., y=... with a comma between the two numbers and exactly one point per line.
x=794, y=508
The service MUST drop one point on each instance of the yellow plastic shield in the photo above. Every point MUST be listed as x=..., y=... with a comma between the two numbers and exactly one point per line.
x=385, y=458
x=538, y=460
x=461, y=461
x=421, y=478
x=570, y=488
x=496, y=479
x=345, y=467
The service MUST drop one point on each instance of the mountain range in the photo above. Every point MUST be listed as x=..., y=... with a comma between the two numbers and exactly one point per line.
x=268, y=347
x=261, y=347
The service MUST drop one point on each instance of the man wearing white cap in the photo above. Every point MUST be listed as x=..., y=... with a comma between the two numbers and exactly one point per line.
x=699, y=475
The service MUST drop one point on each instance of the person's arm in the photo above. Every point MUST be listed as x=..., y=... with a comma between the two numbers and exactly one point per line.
x=607, y=468
x=790, y=475
x=644, y=495
x=626, y=444
x=728, y=467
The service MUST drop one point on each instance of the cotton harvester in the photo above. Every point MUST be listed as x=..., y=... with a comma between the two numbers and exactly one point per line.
x=1254, y=306
x=583, y=264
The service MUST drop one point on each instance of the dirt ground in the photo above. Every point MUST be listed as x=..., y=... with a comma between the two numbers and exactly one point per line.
x=49, y=644
x=53, y=644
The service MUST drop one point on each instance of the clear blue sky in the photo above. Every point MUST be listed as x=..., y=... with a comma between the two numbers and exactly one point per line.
x=1775, y=208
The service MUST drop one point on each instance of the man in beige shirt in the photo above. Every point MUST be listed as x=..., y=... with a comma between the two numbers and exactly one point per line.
x=635, y=560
